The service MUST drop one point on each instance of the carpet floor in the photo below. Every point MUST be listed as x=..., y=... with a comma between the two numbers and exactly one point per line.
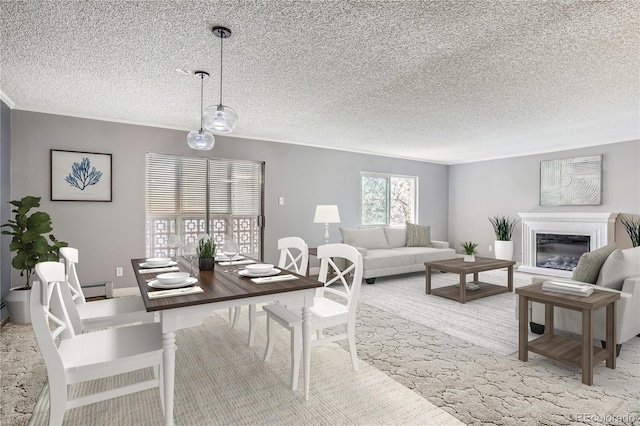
x=475, y=376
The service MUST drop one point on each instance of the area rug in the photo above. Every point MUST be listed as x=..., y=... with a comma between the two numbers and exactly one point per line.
x=220, y=380
x=479, y=385
x=489, y=322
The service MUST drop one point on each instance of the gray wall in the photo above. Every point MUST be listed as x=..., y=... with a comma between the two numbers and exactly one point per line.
x=511, y=186
x=110, y=234
x=5, y=197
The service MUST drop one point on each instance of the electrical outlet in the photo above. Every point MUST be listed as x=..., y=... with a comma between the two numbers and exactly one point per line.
x=118, y=271
x=281, y=201
x=490, y=248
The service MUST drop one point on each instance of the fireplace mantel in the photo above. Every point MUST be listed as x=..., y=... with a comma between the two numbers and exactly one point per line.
x=599, y=226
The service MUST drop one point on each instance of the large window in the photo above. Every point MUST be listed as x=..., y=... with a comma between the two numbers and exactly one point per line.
x=189, y=196
x=387, y=199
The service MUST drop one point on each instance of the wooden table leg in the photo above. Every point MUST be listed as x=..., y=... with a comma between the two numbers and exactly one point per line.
x=168, y=374
x=428, y=278
x=475, y=277
x=523, y=334
x=611, y=334
x=463, y=288
x=510, y=278
x=549, y=327
x=587, y=347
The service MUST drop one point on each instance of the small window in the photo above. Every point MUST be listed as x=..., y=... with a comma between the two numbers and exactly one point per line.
x=387, y=199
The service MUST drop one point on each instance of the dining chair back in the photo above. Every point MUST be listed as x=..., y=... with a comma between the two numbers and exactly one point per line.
x=344, y=283
x=294, y=257
x=98, y=313
x=82, y=357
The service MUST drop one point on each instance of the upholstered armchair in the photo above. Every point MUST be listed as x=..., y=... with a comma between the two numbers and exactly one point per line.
x=619, y=272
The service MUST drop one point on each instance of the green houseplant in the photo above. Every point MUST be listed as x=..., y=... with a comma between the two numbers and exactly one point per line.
x=206, y=251
x=469, y=251
x=503, y=227
x=29, y=240
x=632, y=226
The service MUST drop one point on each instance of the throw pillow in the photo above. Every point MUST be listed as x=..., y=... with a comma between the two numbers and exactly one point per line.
x=396, y=236
x=621, y=264
x=369, y=238
x=418, y=236
x=589, y=264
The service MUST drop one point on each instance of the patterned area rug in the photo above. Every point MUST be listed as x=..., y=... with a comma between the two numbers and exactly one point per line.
x=220, y=380
x=489, y=322
x=479, y=385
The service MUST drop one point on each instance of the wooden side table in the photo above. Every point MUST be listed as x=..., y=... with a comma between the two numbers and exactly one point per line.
x=581, y=354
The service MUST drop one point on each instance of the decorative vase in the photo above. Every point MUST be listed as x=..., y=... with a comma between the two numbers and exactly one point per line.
x=205, y=263
x=17, y=302
x=469, y=258
x=504, y=250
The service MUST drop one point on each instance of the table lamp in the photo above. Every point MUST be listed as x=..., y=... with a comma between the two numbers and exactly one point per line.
x=326, y=214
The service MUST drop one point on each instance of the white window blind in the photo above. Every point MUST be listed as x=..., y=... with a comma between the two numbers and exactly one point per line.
x=177, y=194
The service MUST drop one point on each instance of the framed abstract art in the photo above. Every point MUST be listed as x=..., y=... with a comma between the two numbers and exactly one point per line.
x=573, y=181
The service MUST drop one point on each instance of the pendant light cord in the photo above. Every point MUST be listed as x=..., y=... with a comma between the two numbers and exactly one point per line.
x=201, y=96
x=221, y=38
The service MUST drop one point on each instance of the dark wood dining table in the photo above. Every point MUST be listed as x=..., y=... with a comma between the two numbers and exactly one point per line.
x=222, y=290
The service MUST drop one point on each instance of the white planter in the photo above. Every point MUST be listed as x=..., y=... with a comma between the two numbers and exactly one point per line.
x=17, y=303
x=504, y=250
x=469, y=258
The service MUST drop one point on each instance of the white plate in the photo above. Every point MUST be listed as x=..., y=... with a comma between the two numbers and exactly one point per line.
x=246, y=273
x=223, y=258
x=166, y=265
x=158, y=284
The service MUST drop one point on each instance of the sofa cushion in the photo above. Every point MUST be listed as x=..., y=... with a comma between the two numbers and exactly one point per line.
x=589, y=264
x=418, y=236
x=619, y=265
x=396, y=236
x=369, y=238
x=385, y=258
x=428, y=254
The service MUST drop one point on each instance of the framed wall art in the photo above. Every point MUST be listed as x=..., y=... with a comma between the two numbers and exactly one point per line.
x=80, y=176
x=573, y=181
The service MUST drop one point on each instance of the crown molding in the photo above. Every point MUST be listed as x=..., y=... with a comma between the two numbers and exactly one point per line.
x=7, y=100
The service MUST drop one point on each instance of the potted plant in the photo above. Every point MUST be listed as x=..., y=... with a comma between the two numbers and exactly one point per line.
x=632, y=226
x=206, y=250
x=503, y=228
x=28, y=240
x=469, y=251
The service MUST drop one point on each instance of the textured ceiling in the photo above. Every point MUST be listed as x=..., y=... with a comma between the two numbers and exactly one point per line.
x=443, y=81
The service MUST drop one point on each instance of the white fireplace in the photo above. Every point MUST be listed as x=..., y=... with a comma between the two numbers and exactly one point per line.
x=598, y=227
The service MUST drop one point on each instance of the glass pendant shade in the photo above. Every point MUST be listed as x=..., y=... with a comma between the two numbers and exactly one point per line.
x=200, y=140
x=220, y=119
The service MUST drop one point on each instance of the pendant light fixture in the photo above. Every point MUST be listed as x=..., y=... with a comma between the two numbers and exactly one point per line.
x=199, y=139
x=220, y=118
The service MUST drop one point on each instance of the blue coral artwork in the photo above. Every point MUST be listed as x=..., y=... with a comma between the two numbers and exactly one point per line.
x=80, y=176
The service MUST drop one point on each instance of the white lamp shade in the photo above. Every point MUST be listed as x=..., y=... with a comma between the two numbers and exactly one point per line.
x=220, y=119
x=326, y=214
x=200, y=140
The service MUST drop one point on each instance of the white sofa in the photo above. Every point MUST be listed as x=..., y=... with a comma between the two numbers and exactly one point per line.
x=384, y=251
x=619, y=273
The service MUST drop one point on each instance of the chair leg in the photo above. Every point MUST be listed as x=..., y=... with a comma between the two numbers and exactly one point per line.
x=351, y=338
x=234, y=316
x=252, y=324
x=270, y=338
x=57, y=403
x=296, y=349
x=319, y=334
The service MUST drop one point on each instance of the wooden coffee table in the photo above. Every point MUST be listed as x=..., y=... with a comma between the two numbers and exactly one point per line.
x=459, y=291
x=578, y=353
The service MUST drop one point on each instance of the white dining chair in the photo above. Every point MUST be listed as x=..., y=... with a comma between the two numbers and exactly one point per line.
x=100, y=313
x=326, y=312
x=294, y=257
x=82, y=357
